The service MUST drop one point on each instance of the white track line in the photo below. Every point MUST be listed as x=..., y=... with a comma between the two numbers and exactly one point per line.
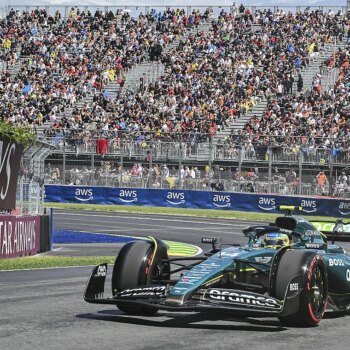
x=150, y=219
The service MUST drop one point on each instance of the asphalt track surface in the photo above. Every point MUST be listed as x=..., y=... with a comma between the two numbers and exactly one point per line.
x=44, y=309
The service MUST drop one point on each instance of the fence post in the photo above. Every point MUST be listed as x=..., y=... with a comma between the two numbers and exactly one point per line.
x=300, y=170
x=149, y=184
x=210, y=150
x=180, y=164
x=121, y=162
x=240, y=160
x=269, y=150
x=92, y=178
x=331, y=162
x=64, y=159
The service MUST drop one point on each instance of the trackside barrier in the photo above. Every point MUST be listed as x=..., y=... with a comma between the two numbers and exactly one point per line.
x=195, y=199
x=24, y=235
x=19, y=235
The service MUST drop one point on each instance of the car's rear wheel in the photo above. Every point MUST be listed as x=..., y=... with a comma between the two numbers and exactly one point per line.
x=131, y=270
x=313, y=297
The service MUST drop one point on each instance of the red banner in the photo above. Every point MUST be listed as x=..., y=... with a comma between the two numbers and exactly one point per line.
x=19, y=236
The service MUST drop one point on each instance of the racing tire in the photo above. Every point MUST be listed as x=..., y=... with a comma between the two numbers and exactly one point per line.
x=131, y=271
x=313, y=297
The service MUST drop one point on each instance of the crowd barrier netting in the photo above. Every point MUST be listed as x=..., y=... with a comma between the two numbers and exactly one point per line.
x=256, y=202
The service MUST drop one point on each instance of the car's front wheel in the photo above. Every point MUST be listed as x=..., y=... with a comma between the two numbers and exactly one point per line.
x=313, y=297
x=131, y=270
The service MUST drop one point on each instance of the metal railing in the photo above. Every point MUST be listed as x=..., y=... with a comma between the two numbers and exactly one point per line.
x=283, y=165
x=30, y=186
x=135, y=10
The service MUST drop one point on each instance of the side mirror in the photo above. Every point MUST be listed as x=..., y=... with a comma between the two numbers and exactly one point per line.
x=209, y=240
x=213, y=241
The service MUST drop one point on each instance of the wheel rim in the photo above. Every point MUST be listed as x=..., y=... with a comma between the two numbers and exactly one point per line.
x=316, y=290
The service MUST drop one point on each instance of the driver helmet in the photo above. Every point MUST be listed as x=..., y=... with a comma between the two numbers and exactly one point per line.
x=276, y=240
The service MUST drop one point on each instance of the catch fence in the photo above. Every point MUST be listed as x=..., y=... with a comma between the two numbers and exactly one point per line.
x=30, y=186
x=292, y=166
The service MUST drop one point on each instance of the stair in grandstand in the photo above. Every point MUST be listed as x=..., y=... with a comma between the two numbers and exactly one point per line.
x=148, y=71
x=13, y=70
x=308, y=73
x=151, y=71
x=112, y=88
x=239, y=123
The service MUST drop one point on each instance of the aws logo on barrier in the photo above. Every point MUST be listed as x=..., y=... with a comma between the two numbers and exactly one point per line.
x=128, y=196
x=176, y=198
x=222, y=200
x=344, y=208
x=266, y=203
x=309, y=206
x=84, y=194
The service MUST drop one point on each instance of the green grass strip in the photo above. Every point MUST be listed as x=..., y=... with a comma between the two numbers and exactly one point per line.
x=224, y=214
x=38, y=262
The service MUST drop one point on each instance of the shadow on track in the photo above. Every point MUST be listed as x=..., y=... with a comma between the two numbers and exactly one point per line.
x=180, y=320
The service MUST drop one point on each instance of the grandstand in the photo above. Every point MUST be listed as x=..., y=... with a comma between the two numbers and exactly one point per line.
x=236, y=99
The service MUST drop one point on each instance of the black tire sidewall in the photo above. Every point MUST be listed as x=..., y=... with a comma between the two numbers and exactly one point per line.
x=291, y=265
x=130, y=271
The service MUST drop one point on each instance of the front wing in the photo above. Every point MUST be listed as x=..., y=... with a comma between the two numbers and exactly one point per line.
x=213, y=299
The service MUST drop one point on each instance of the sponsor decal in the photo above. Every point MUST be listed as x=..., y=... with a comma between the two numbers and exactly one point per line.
x=293, y=287
x=230, y=254
x=10, y=158
x=102, y=271
x=336, y=262
x=19, y=236
x=175, y=198
x=344, y=208
x=263, y=259
x=243, y=298
x=308, y=206
x=143, y=291
x=128, y=196
x=314, y=245
x=312, y=233
x=348, y=275
x=222, y=200
x=267, y=203
x=84, y=194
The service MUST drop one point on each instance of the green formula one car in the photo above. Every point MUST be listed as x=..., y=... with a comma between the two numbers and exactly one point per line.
x=286, y=270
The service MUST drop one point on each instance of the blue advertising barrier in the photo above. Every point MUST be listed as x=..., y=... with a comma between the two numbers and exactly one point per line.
x=195, y=199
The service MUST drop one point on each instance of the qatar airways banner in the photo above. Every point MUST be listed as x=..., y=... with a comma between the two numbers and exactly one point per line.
x=10, y=160
x=19, y=236
x=250, y=202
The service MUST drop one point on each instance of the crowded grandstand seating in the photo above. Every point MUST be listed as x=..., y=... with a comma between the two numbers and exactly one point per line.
x=65, y=78
x=213, y=78
x=64, y=60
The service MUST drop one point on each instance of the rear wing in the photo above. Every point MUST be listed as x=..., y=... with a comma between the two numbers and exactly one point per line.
x=340, y=229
